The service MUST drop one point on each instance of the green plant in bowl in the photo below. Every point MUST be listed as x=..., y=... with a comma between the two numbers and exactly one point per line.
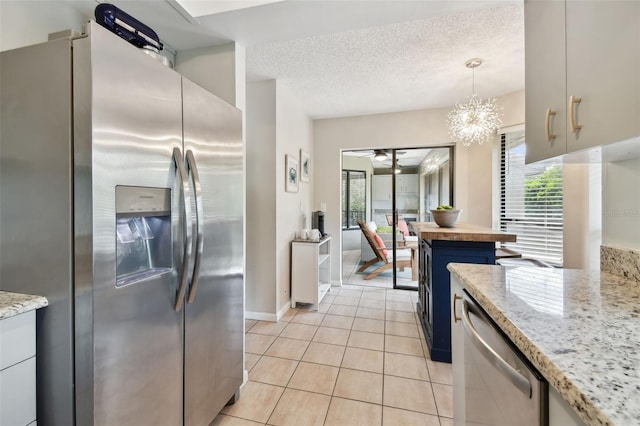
x=445, y=216
x=444, y=207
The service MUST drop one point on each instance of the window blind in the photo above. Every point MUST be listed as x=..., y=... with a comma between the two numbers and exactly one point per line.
x=531, y=202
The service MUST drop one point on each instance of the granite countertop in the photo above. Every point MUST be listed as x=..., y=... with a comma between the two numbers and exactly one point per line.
x=580, y=329
x=461, y=232
x=12, y=304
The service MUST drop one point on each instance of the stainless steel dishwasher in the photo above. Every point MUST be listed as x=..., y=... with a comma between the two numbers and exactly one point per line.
x=501, y=386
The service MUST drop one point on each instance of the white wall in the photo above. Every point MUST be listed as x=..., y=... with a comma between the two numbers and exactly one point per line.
x=418, y=128
x=621, y=204
x=276, y=127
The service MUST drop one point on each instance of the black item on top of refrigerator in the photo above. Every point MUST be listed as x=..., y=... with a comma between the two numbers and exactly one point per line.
x=127, y=27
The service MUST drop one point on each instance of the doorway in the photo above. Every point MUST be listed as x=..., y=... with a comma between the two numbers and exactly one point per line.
x=379, y=249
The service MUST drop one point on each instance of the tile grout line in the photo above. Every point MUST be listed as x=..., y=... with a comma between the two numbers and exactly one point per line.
x=385, y=333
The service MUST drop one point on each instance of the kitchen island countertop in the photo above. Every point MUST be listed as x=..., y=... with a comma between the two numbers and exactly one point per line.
x=12, y=304
x=580, y=329
x=461, y=232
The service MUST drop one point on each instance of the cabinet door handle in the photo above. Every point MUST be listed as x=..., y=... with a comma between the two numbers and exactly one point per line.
x=573, y=100
x=547, y=125
x=456, y=318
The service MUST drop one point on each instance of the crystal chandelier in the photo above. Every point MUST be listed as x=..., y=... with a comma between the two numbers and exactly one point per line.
x=475, y=121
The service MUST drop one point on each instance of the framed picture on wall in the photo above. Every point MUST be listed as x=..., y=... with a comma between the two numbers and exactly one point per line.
x=305, y=166
x=291, y=174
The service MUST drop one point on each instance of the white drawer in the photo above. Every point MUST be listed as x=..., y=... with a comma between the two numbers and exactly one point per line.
x=18, y=337
x=18, y=393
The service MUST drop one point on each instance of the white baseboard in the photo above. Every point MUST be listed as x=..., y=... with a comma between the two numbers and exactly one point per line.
x=264, y=316
x=245, y=378
x=336, y=283
x=260, y=316
x=283, y=310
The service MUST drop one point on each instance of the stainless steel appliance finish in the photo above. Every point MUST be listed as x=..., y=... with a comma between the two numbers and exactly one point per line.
x=36, y=208
x=214, y=308
x=500, y=385
x=84, y=120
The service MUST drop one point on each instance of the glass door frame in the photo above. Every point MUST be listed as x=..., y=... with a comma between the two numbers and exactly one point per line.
x=395, y=213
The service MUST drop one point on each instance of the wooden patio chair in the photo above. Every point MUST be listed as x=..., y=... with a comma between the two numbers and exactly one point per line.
x=383, y=254
x=407, y=235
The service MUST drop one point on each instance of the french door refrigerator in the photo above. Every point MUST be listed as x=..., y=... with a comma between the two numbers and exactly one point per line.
x=121, y=201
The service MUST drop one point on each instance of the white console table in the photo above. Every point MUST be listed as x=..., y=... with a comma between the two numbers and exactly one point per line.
x=310, y=270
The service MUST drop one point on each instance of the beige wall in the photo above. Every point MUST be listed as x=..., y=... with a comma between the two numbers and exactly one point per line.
x=23, y=23
x=260, y=278
x=582, y=206
x=420, y=128
x=276, y=127
x=621, y=204
x=294, y=132
x=212, y=68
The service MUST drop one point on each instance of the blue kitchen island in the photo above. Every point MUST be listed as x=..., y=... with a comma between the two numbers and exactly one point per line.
x=438, y=247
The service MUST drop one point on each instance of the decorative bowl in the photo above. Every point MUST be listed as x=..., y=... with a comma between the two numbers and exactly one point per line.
x=446, y=218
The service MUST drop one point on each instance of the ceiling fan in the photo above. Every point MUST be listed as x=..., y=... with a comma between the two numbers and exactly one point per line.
x=373, y=152
x=384, y=154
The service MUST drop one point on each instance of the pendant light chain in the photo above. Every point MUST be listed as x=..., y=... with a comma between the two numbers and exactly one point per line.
x=473, y=81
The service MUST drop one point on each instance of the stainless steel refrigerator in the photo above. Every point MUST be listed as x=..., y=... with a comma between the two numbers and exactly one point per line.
x=121, y=201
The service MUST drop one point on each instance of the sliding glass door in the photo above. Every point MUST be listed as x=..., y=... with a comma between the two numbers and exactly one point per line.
x=383, y=191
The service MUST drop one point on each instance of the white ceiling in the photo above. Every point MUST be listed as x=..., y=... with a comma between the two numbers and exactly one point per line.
x=340, y=58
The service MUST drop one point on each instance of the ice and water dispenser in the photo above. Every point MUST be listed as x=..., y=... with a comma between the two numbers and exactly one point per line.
x=143, y=233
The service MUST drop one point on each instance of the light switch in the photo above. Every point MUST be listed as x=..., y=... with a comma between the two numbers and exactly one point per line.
x=323, y=207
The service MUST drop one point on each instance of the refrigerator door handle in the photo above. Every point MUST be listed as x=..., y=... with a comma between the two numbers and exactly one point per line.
x=193, y=168
x=188, y=241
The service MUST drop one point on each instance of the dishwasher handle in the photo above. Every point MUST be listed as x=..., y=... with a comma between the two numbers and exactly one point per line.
x=514, y=375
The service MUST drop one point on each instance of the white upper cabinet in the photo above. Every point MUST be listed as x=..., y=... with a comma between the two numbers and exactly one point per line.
x=603, y=70
x=382, y=187
x=582, y=63
x=545, y=84
x=407, y=184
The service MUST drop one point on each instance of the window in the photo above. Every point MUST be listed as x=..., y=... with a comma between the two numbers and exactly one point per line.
x=531, y=202
x=354, y=198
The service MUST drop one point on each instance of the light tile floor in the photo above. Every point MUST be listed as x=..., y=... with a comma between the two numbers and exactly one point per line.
x=357, y=366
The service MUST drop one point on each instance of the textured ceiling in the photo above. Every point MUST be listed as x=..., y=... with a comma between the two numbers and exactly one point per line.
x=402, y=66
x=338, y=57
